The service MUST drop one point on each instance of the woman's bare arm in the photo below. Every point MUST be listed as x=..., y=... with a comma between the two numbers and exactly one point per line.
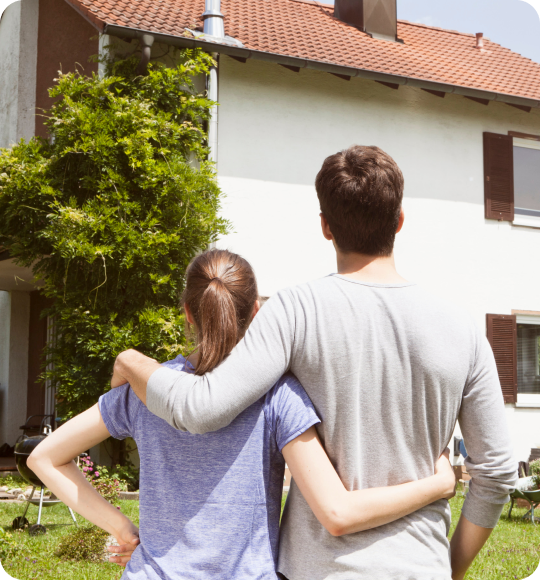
x=52, y=461
x=345, y=512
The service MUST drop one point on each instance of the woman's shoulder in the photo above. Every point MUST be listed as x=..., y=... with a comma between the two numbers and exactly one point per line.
x=180, y=363
x=288, y=410
x=287, y=386
x=287, y=398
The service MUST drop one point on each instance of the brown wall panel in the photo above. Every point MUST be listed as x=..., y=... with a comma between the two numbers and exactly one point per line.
x=65, y=41
x=36, y=343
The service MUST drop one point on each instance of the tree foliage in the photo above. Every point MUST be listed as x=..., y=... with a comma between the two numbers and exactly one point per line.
x=109, y=212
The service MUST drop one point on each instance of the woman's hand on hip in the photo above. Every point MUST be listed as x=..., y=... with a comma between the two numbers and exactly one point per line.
x=128, y=540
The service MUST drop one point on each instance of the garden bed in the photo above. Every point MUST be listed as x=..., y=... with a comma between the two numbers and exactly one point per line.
x=513, y=551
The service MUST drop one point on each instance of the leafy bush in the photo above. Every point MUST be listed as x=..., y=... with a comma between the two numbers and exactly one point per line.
x=534, y=470
x=12, y=481
x=128, y=473
x=108, y=486
x=83, y=544
x=108, y=214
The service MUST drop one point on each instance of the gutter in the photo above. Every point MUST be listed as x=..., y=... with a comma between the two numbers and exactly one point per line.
x=297, y=63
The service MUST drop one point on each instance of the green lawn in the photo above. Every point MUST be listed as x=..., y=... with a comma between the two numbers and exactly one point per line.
x=513, y=550
x=42, y=564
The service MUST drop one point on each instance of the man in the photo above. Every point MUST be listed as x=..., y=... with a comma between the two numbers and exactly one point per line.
x=389, y=369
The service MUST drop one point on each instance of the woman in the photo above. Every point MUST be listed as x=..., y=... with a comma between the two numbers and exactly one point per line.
x=210, y=504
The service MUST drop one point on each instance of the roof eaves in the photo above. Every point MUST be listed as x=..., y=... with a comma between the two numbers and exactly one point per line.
x=87, y=14
x=190, y=42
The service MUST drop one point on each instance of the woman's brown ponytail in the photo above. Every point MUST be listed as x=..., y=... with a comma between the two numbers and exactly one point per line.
x=221, y=291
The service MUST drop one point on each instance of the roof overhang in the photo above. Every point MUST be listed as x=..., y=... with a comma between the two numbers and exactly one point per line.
x=299, y=63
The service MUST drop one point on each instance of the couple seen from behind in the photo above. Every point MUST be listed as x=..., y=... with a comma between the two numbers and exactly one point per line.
x=355, y=381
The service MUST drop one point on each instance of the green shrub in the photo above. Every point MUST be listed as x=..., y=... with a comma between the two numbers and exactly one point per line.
x=534, y=470
x=127, y=473
x=84, y=544
x=12, y=481
x=109, y=212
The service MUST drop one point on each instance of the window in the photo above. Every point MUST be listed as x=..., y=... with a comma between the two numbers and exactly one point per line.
x=526, y=182
x=512, y=178
x=515, y=340
x=528, y=348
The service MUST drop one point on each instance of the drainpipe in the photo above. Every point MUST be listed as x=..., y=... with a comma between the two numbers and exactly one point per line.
x=213, y=26
x=212, y=87
x=147, y=40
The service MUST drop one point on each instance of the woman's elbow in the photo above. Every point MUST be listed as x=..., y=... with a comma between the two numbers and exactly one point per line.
x=35, y=460
x=336, y=525
x=335, y=530
x=32, y=461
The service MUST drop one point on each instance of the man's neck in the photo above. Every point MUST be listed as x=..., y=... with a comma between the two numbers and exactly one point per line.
x=371, y=269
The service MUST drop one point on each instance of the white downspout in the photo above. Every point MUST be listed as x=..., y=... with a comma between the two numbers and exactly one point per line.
x=213, y=122
x=213, y=26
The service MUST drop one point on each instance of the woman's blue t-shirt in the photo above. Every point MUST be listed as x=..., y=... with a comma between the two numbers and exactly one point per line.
x=210, y=504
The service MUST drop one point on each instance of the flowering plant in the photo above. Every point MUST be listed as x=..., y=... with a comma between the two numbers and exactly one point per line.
x=106, y=485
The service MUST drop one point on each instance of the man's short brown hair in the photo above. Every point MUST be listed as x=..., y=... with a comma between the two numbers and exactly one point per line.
x=360, y=191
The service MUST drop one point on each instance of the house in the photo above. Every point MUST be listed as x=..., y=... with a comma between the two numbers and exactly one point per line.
x=298, y=80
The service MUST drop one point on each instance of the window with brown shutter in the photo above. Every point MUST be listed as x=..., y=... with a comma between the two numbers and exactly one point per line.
x=498, y=177
x=502, y=335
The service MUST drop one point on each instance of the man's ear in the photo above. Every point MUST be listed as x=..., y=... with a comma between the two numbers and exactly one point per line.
x=256, y=308
x=189, y=316
x=401, y=220
x=326, y=228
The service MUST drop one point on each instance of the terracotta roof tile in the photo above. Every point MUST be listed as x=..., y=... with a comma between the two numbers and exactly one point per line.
x=309, y=30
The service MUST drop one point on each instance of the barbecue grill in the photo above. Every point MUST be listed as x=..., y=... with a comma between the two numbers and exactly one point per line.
x=22, y=451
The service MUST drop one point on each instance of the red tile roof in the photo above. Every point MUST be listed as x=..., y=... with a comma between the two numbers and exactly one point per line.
x=308, y=30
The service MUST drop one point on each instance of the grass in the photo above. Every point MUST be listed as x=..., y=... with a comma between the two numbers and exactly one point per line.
x=513, y=550
x=41, y=563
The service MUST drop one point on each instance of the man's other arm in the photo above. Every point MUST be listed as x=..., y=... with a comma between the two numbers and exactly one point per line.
x=490, y=460
x=209, y=402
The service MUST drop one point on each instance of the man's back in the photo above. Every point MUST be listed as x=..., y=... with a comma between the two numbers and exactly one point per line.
x=389, y=368
x=385, y=366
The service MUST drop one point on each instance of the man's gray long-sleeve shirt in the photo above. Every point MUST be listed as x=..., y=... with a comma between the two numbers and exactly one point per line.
x=390, y=369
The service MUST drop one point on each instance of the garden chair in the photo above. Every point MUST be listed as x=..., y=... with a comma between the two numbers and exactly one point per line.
x=531, y=497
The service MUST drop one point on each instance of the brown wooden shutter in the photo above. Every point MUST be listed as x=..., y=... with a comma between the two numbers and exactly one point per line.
x=498, y=177
x=502, y=335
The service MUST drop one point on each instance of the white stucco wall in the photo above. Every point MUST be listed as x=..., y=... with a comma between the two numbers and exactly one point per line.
x=275, y=129
x=14, y=328
x=18, y=61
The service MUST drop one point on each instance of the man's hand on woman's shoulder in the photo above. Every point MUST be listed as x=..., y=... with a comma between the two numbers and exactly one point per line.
x=134, y=368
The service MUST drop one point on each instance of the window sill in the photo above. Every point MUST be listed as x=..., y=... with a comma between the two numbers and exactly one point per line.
x=527, y=221
x=528, y=402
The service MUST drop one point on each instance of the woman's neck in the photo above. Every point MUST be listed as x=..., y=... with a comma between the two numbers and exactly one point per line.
x=193, y=359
